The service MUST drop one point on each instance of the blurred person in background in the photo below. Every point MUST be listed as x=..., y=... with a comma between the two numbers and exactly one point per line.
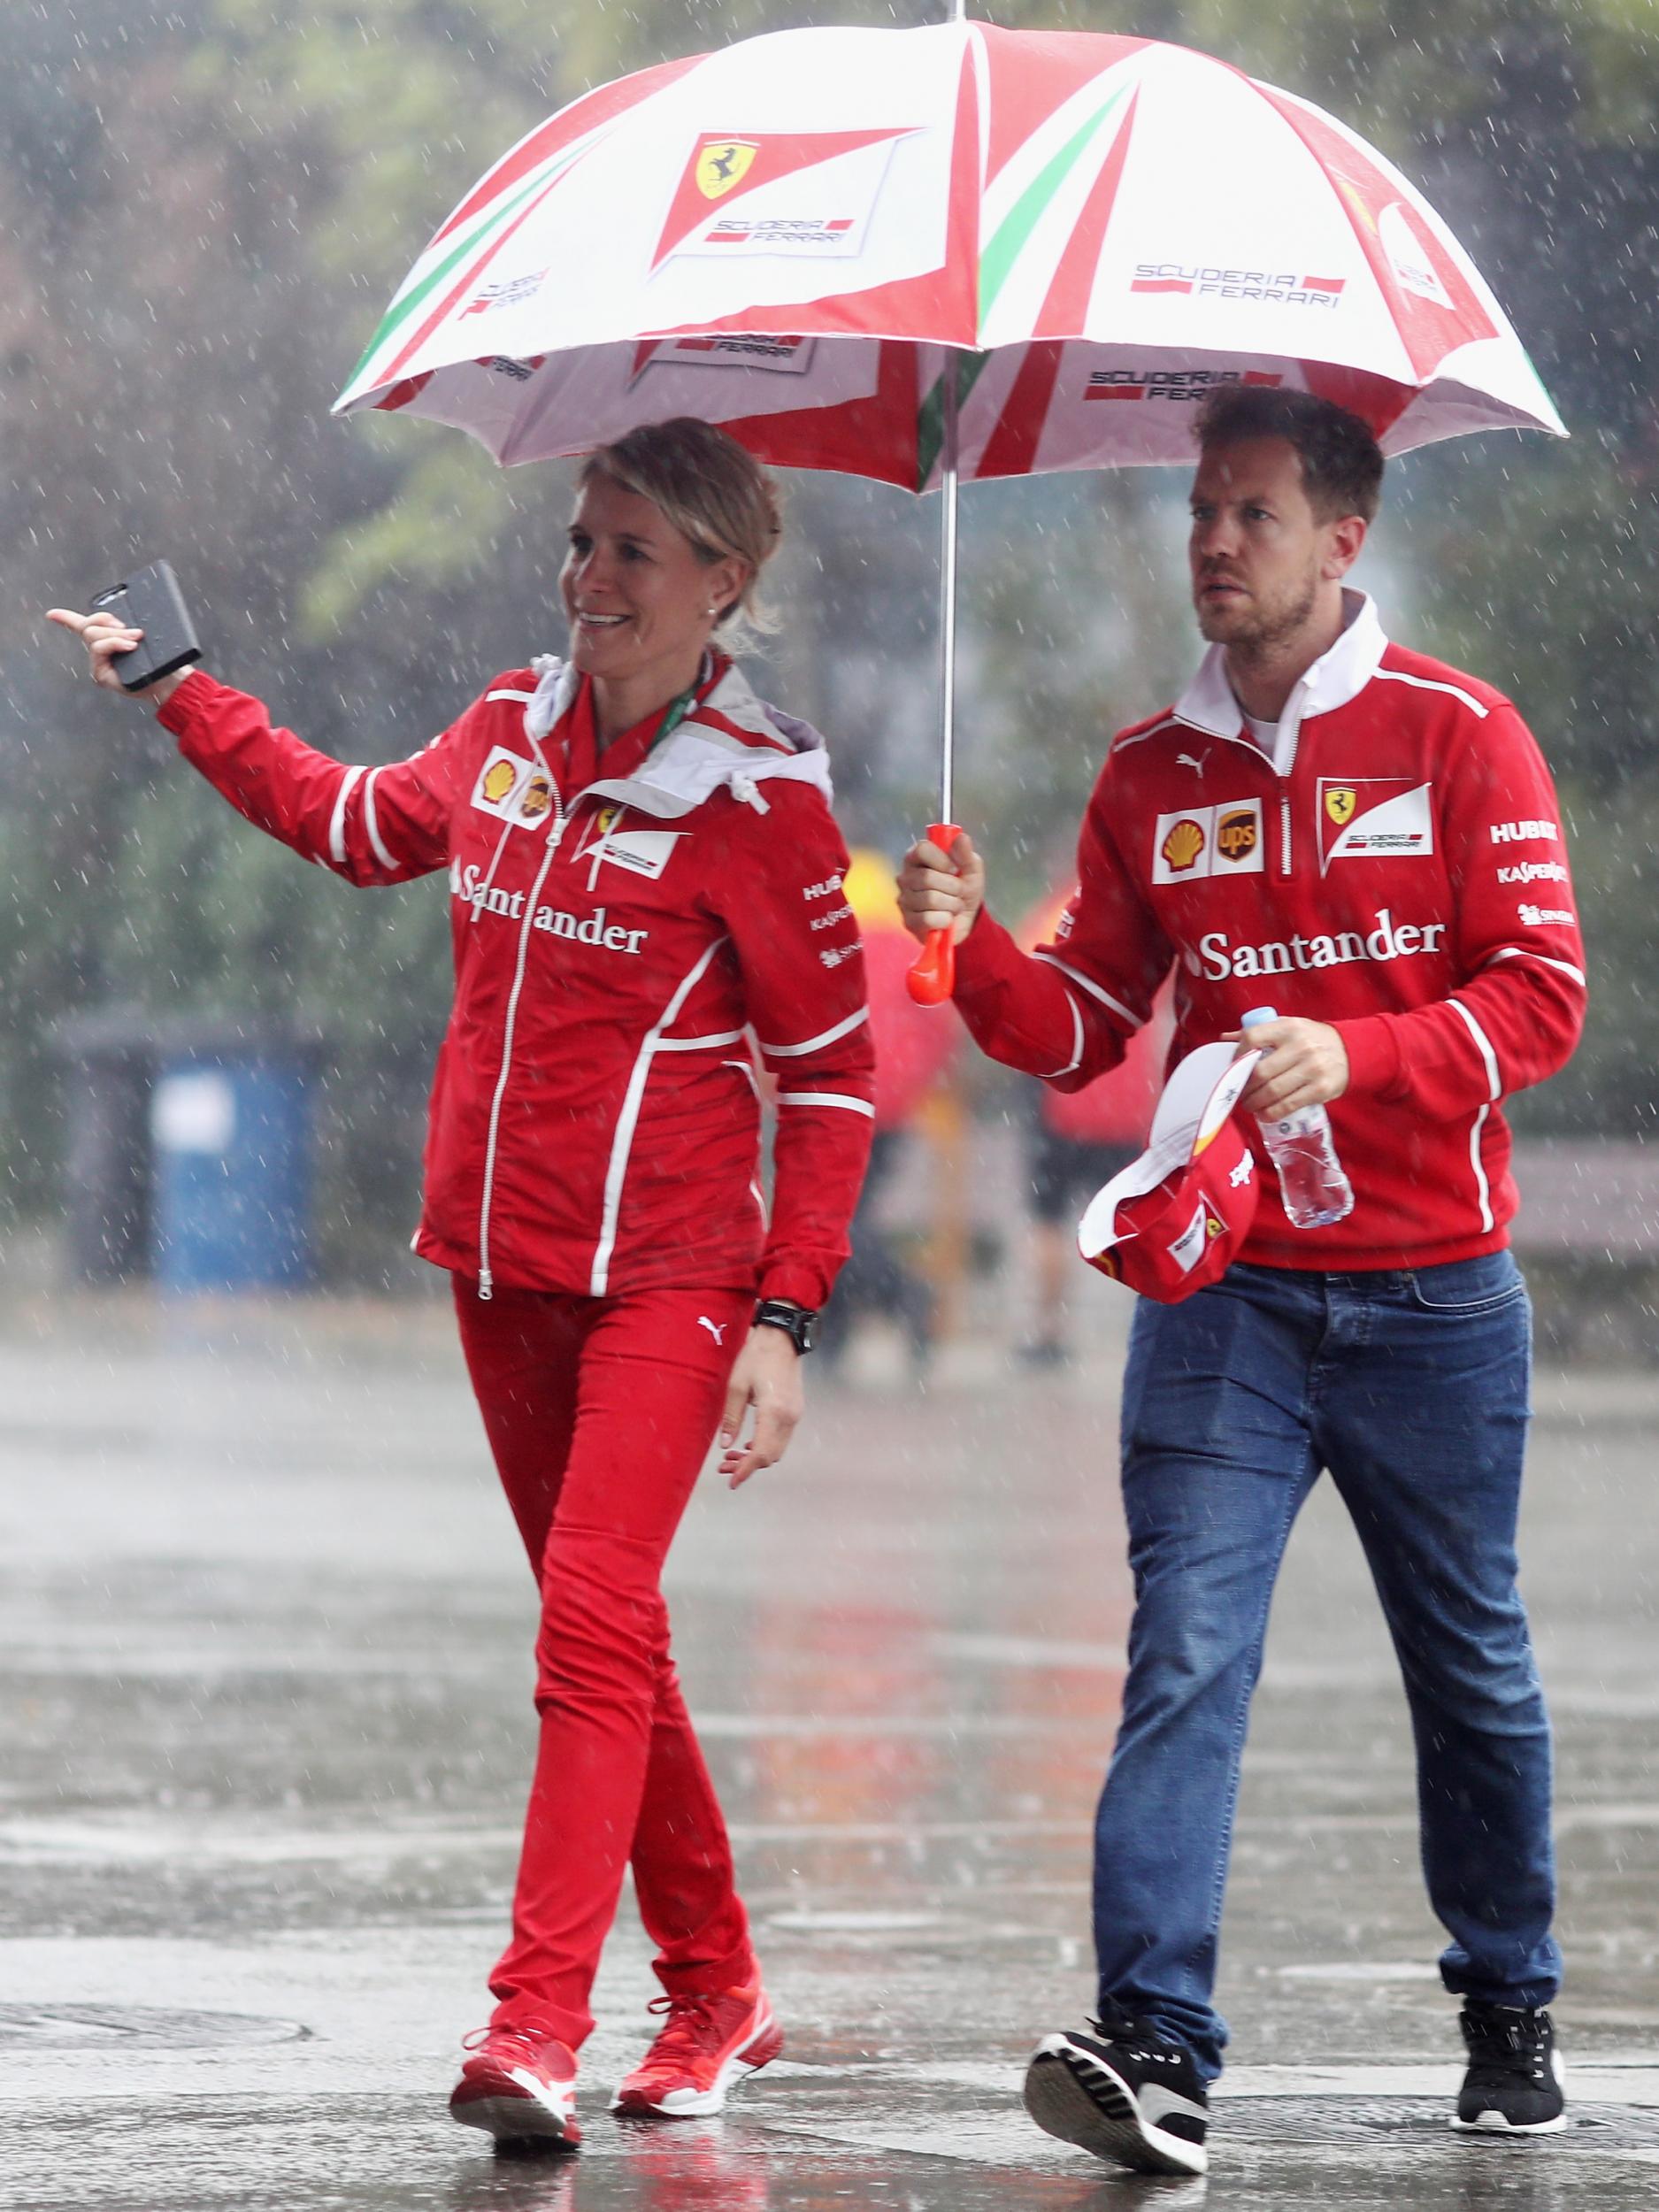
x=1371, y=841
x=914, y=1046
x=642, y=866
x=1075, y=1142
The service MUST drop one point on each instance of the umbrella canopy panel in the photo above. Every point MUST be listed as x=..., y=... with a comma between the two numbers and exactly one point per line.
x=794, y=235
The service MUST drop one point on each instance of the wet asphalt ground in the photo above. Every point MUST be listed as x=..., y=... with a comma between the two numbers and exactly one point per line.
x=265, y=1682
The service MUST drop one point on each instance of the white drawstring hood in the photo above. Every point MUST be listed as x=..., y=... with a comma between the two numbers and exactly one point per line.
x=702, y=756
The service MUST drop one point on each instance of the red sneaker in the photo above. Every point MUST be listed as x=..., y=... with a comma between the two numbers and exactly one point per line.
x=705, y=2049
x=517, y=2086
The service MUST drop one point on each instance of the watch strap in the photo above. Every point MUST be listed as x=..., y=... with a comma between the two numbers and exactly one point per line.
x=798, y=1323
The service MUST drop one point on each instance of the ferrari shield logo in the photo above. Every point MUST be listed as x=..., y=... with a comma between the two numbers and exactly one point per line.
x=1340, y=802
x=722, y=167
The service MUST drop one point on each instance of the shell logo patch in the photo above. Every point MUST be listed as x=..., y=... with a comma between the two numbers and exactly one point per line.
x=513, y=789
x=498, y=782
x=1183, y=846
x=1208, y=841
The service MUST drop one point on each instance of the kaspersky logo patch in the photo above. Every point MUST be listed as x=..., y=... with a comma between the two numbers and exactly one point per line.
x=1374, y=817
x=804, y=193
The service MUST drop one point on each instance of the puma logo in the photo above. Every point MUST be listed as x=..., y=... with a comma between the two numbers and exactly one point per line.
x=718, y=1334
x=1186, y=760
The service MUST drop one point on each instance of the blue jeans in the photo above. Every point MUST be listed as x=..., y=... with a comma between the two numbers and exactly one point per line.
x=1412, y=1389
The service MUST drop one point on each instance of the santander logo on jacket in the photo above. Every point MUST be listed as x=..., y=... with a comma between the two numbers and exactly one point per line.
x=1389, y=858
x=619, y=934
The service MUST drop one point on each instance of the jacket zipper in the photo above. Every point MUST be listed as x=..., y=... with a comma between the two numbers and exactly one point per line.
x=676, y=711
x=486, y=1280
x=1286, y=773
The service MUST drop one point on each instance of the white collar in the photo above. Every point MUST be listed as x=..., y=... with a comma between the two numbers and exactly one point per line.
x=1339, y=675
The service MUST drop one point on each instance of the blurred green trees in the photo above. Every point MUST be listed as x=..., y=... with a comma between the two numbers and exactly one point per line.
x=203, y=206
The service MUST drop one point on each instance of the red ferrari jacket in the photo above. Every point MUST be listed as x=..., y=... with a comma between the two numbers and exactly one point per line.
x=1115, y=1109
x=595, y=1121
x=1397, y=868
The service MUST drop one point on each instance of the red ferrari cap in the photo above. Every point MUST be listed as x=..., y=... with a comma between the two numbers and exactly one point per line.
x=1173, y=1220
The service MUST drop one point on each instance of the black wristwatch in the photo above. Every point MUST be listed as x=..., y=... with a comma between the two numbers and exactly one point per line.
x=796, y=1322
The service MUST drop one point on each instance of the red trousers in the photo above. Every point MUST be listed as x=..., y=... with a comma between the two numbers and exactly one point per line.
x=599, y=1412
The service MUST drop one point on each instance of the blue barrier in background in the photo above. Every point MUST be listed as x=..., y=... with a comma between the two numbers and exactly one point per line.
x=230, y=1132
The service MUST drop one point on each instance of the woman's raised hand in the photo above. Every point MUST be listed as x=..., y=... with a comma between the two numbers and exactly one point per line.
x=106, y=639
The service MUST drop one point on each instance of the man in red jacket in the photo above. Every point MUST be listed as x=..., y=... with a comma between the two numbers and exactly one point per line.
x=1369, y=840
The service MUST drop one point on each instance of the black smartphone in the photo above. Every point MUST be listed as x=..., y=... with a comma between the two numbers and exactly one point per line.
x=150, y=601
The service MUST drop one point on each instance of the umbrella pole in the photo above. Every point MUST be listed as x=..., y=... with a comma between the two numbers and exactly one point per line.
x=947, y=597
x=947, y=575
x=932, y=977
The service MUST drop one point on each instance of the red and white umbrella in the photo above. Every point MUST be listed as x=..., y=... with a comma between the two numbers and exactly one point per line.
x=911, y=255
x=791, y=237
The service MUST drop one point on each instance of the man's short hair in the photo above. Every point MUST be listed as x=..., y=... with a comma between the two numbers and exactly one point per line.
x=1341, y=461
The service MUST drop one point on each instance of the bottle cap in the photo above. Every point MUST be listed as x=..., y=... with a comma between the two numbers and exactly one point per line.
x=1258, y=1014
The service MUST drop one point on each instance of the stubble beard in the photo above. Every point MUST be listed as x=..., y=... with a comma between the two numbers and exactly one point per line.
x=1259, y=636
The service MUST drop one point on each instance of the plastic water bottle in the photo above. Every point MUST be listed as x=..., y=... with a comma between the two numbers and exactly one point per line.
x=1310, y=1178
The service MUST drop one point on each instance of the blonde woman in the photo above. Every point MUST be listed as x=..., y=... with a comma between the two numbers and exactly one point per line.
x=643, y=873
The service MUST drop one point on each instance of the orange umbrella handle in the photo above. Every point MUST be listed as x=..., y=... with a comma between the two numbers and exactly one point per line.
x=933, y=973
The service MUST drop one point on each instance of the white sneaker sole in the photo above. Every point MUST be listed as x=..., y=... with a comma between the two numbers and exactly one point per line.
x=700, y=2104
x=1493, y=2123
x=531, y=2118
x=1102, y=2118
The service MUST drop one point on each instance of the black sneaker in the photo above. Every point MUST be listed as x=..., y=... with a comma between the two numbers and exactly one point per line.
x=1516, y=2083
x=1121, y=2092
